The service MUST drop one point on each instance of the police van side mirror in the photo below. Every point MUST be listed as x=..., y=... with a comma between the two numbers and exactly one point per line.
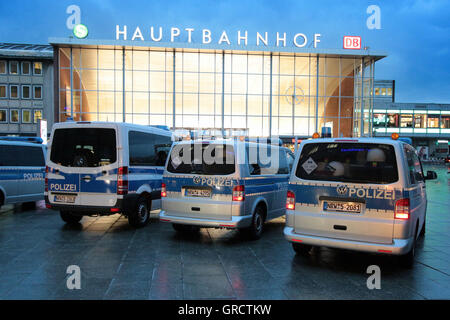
x=431, y=175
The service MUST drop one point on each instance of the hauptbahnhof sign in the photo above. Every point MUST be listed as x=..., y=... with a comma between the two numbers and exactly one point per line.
x=278, y=39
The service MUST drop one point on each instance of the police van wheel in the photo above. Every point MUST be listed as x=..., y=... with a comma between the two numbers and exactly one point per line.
x=256, y=228
x=301, y=249
x=70, y=218
x=141, y=215
x=407, y=260
x=423, y=230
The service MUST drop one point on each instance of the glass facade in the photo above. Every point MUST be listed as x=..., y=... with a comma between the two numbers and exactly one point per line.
x=258, y=93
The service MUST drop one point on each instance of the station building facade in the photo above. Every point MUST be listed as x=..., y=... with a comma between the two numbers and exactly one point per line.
x=26, y=88
x=427, y=124
x=286, y=92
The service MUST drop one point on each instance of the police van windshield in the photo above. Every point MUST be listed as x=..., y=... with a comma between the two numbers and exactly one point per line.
x=348, y=162
x=84, y=147
x=202, y=158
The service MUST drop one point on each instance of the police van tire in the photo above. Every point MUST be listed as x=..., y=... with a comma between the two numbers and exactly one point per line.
x=255, y=230
x=407, y=260
x=423, y=230
x=140, y=216
x=301, y=249
x=70, y=218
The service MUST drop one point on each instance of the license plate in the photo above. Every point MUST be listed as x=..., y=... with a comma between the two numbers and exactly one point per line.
x=204, y=193
x=66, y=198
x=339, y=206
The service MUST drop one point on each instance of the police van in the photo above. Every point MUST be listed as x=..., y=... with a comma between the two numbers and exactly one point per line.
x=230, y=184
x=22, y=169
x=103, y=168
x=364, y=194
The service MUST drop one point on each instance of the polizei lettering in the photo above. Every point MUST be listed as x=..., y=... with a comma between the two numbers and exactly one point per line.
x=63, y=187
x=372, y=193
x=213, y=182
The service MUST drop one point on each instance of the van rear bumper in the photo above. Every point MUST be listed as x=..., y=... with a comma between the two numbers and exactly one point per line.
x=235, y=222
x=398, y=246
x=89, y=210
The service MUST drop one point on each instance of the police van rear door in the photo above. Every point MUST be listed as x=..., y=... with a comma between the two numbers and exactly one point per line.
x=199, y=180
x=83, y=165
x=346, y=190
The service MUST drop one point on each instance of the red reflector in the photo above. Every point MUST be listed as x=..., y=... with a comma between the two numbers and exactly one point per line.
x=402, y=209
x=238, y=193
x=48, y=206
x=115, y=209
x=163, y=190
x=227, y=225
x=165, y=220
x=290, y=200
x=297, y=240
x=384, y=251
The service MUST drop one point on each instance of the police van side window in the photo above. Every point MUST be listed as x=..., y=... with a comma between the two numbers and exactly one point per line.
x=21, y=156
x=414, y=167
x=148, y=149
x=266, y=160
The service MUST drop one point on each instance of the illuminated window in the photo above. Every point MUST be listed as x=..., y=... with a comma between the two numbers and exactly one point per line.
x=383, y=91
x=379, y=120
x=37, y=115
x=377, y=91
x=26, y=116
x=37, y=68
x=392, y=120
x=3, y=116
x=420, y=120
x=406, y=121
x=389, y=91
x=433, y=121
x=445, y=121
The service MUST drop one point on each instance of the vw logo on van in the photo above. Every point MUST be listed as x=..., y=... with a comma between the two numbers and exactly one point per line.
x=197, y=180
x=342, y=190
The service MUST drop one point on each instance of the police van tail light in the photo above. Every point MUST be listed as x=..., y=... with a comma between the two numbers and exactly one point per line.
x=122, y=180
x=290, y=200
x=163, y=190
x=238, y=193
x=402, y=209
x=46, y=179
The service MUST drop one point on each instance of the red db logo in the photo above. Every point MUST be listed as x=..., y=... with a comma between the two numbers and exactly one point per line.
x=352, y=42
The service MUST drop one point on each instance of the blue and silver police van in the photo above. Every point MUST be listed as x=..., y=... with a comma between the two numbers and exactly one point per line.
x=365, y=194
x=104, y=168
x=230, y=184
x=22, y=169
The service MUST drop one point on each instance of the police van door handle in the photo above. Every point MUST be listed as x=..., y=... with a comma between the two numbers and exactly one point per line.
x=87, y=178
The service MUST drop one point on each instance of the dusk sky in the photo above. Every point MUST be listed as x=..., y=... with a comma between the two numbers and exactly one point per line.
x=414, y=34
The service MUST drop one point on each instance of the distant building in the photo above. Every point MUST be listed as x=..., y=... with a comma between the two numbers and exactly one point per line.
x=427, y=124
x=26, y=88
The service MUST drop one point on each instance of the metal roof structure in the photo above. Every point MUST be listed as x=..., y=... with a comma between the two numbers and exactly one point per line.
x=127, y=44
x=19, y=50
